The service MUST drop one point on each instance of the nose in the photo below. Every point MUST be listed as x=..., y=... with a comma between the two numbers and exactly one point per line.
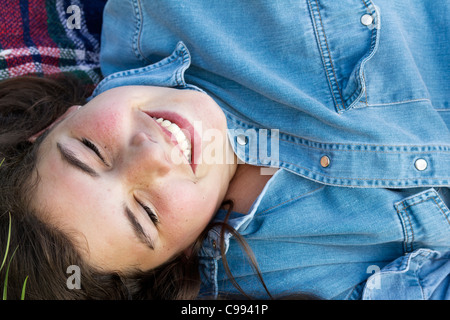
x=146, y=158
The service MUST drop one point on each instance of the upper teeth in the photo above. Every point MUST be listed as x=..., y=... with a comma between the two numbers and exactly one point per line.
x=183, y=142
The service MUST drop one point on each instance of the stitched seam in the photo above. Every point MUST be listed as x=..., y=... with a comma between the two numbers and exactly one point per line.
x=410, y=242
x=416, y=203
x=398, y=102
x=180, y=72
x=405, y=233
x=137, y=36
x=422, y=290
x=121, y=74
x=319, y=44
x=152, y=67
x=365, y=87
x=359, y=179
x=321, y=52
x=359, y=86
x=137, y=27
x=369, y=145
x=441, y=209
x=407, y=243
x=249, y=125
x=367, y=7
x=329, y=57
x=352, y=101
x=412, y=230
x=293, y=199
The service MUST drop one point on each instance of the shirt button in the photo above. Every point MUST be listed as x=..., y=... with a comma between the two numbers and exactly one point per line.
x=366, y=19
x=324, y=161
x=421, y=164
x=242, y=139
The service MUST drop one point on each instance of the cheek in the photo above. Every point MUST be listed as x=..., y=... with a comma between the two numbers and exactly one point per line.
x=109, y=125
x=190, y=211
x=109, y=120
x=106, y=125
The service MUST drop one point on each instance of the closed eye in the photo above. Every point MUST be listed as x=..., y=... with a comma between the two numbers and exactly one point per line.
x=94, y=148
x=150, y=213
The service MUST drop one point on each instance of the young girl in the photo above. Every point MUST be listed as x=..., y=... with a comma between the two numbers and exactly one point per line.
x=125, y=186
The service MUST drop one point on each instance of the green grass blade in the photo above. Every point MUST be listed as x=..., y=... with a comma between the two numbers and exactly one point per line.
x=5, y=284
x=22, y=297
x=7, y=244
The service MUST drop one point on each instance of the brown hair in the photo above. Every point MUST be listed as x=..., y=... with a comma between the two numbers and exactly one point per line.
x=27, y=106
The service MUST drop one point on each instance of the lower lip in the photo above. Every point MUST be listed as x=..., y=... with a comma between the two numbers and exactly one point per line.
x=184, y=125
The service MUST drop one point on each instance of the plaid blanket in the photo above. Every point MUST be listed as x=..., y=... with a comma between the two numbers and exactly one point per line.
x=45, y=37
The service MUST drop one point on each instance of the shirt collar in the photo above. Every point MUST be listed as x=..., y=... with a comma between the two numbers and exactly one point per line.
x=169, y=72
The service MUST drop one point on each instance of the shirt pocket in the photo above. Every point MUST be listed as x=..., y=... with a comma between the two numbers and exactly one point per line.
x=425, y=220
x=372, y=55
x=347, y=37
x=406, y=62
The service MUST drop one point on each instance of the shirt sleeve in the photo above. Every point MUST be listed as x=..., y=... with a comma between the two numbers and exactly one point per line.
x=420, y=275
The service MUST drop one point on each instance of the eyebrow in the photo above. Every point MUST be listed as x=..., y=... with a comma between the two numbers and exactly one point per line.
x=71, y=159
x=137, y=228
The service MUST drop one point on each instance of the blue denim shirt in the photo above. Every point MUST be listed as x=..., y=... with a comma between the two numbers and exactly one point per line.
x=349, y=99
x=421, y=275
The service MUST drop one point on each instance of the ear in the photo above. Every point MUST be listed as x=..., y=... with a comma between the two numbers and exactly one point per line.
x=68, y=112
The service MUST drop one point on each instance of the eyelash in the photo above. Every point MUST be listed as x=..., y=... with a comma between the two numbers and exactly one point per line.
x=150, y=213
x=94, y=148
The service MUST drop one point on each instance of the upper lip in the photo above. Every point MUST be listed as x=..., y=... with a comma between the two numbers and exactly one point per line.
x=183, y=124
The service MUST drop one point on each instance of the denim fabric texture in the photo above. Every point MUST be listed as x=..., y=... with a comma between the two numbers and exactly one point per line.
x=421, y=275
x=352, y=100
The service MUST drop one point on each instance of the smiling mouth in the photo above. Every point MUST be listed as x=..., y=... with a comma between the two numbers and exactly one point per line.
x=181, y=133
x=181, y=139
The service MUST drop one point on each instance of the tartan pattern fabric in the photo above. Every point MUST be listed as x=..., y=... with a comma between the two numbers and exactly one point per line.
x=35, y=39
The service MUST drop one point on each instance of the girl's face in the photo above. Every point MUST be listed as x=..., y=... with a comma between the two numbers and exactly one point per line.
x=112, y=174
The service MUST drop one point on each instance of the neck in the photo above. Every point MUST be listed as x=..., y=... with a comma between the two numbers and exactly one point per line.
x=245, y=187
